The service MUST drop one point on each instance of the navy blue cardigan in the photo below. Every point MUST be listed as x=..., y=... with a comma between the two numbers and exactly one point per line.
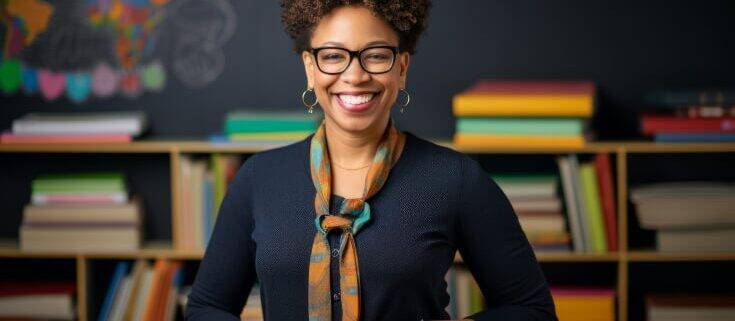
x=436, y=201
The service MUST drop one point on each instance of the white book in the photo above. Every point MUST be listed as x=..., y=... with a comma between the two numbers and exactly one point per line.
x=81, y=123
x=565, y=168
x=141, y=300
x=121, y=300
x=75, y=198
x=44, y=306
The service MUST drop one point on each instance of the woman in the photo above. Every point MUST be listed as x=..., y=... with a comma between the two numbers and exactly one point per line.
x=360, y=221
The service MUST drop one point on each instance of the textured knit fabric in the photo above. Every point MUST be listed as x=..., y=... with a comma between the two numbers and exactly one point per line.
x=350, y=217
x=436, y=201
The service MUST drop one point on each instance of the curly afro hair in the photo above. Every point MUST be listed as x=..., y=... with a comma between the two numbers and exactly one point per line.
x=406, y=17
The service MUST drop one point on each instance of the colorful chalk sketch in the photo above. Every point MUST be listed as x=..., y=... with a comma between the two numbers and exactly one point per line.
x=84, y=49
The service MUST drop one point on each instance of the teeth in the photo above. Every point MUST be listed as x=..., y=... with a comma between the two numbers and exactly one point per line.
x=356, y=99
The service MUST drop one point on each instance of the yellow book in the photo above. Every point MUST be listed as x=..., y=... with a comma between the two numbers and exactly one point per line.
x=538, y=105
x=516, y=141
x=572, y=308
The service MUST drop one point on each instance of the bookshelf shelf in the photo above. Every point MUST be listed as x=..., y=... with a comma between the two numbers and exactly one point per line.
x=653, y=256
x=200, y=146
x=551, y=257
x=621, y=261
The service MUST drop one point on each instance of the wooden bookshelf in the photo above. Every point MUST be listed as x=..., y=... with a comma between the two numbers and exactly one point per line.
x=619, y=150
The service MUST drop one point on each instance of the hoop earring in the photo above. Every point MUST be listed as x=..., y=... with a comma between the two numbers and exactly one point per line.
x=303, y=100
x=408, y=100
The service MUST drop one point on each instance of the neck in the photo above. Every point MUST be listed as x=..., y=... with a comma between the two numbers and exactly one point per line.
x=353, y=149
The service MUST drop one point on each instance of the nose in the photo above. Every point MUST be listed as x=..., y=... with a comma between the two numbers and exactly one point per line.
x=354, y=74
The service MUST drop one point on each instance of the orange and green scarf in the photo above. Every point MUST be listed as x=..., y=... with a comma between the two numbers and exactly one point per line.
x=352, y=216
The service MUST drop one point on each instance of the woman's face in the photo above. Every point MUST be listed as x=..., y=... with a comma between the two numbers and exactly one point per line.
x=355, y=101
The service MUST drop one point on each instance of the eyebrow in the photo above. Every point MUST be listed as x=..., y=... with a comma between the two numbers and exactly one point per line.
x=372, y=43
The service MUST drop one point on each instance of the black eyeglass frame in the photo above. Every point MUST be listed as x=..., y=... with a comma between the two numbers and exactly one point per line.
x=353, y=54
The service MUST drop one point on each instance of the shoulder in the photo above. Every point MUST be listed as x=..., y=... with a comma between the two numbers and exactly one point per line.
x=444, y=160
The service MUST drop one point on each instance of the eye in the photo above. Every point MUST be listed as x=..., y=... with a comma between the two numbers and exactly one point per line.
x=377, y=57
x=331, y=57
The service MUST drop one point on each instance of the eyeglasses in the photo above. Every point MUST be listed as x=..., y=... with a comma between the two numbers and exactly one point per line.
x=374, y=60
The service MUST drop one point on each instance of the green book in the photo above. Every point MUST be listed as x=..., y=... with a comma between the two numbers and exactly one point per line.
x=476, y=301
x=594, y=207
x=79, y=182
x=219, y=182
x=256, y=122
x=521, y=126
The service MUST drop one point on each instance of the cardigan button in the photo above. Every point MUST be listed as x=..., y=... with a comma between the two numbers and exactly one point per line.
x=335, y=252
x=335, y=296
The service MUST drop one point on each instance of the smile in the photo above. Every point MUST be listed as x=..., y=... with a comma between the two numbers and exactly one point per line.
x=356, y=102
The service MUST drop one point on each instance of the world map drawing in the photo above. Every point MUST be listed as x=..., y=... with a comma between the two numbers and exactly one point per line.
x=95, y=49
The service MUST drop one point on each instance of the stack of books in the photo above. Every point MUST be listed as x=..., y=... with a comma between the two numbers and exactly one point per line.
x=145, y=292
x=465, y=297
x=690, y=116
x=81, y=212
x=269, y=128
x=584, y=304
x=589, y=198
x=202, y=188
x=690, y=307
x=533, y=114
x=539, y=209
x=37, y=300
x=88, y=127
x=688, y=216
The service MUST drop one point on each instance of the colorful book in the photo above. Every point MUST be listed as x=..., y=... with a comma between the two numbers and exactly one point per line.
x=694, y=138
x=521, y=126
x=266, y=122
x=591, y=195
x=607, y=198
x=656, y=124
x=10, y=138
x=112, y=290
x=581, y=201
x=570, y=201
x=526, y=99
x=464, y=140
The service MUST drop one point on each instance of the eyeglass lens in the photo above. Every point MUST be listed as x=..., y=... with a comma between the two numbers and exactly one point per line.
x=373, y=60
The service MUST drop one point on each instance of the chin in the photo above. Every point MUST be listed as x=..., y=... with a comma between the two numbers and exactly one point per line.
x=357, y=123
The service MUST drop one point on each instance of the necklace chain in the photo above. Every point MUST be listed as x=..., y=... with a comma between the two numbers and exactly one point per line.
x=350, y=169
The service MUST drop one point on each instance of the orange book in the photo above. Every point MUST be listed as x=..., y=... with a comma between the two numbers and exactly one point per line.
x=153, y=302
x=516, y=141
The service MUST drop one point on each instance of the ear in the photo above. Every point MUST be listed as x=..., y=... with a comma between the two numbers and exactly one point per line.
x=309, y=68
x=404, y=59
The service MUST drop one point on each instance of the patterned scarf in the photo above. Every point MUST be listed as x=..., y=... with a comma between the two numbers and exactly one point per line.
x=352, y=215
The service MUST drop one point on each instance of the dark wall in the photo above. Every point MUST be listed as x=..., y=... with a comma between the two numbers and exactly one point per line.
x=626, y=47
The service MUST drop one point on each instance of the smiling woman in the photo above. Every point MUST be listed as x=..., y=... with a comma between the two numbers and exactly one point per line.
x=372, y=237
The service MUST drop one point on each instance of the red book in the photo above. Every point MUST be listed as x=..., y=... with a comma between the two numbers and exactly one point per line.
x=607, y=198
x=10, y=138
x=14, y=288
x=655, y=124
x=530, y=87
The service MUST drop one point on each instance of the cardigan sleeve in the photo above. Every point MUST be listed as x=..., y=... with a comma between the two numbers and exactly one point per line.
x=497, y=253
x=227, y=271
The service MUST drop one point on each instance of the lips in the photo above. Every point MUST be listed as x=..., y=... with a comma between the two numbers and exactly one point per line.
x=356, y=101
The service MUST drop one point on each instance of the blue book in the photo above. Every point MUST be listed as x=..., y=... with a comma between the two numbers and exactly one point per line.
x=120, y=270
x=208, y=207
x=695, y=138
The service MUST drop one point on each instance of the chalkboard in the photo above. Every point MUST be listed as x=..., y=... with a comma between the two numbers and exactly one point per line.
x=626, y=47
